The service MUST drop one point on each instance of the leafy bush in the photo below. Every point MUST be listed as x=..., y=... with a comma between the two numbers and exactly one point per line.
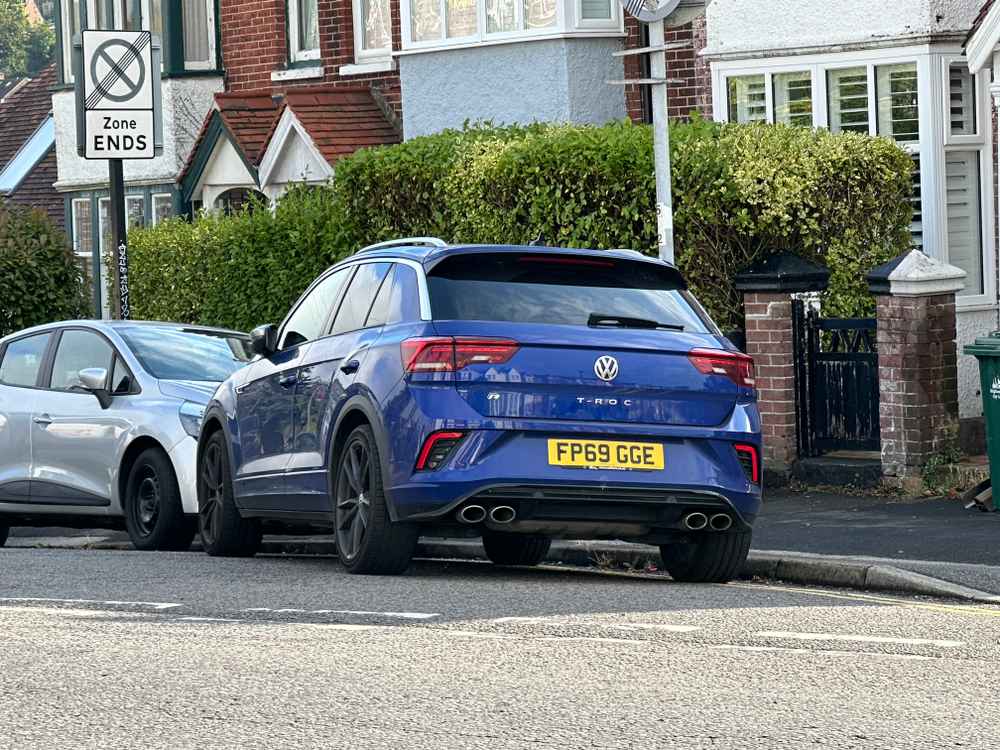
x=240, y=270
x=39, y=279
x=741, y=192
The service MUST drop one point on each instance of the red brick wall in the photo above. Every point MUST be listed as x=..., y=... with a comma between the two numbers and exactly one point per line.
x=769, y=342
x=695, y=93
x=255, y=44
x=918, y=380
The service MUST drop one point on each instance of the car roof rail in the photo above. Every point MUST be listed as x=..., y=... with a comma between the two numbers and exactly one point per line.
x=404, y=242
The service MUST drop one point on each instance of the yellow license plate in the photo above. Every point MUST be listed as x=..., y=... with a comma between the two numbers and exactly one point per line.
x=605, y=454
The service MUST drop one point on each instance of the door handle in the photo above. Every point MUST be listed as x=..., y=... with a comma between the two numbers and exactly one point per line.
x=287, y=381
x=44, y=420
x=351, y=367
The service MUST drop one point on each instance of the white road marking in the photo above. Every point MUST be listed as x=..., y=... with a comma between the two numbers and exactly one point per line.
x=657, y=626
x=859, y=639
x=824, y=652
x=359, y=613
x=112, y=603
x=195, y=618
x=521, y=620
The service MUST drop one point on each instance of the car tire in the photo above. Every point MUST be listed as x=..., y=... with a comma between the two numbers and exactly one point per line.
x=4, y=533
x=224, y=532
x=505, y=548
x=154, y=514
x=368, y=541
x=707, y=558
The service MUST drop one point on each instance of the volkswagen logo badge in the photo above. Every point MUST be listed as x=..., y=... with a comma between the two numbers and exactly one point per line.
x=606, y=368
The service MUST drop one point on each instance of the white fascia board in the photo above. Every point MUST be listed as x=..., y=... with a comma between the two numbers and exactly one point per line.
x=288, y=127
x=979, y=49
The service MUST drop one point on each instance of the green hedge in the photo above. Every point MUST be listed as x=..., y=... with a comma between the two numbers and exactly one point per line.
x=40, y=281
x=741, y=192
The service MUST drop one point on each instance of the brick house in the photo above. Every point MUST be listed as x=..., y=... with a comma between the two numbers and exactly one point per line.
x=27, y=146
x=317, y=77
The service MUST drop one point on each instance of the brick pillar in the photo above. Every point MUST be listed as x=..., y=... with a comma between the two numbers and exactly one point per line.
x=767, y=304
x=917, y=362
x=769, y=342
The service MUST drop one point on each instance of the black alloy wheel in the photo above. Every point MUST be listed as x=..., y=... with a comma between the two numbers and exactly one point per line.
x=224, y=532
x=367, y=539
x=354, y=507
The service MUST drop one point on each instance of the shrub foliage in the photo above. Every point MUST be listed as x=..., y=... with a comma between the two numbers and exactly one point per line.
x=40, y=281
x=741, y=192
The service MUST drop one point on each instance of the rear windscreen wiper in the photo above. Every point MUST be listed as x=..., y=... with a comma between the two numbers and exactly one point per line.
x=599, y=320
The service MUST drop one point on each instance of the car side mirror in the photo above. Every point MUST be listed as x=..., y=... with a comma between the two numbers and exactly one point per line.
x=95, y=380
x=264, y=340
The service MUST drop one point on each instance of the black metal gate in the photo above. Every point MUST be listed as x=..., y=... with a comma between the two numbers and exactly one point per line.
x=836, y=380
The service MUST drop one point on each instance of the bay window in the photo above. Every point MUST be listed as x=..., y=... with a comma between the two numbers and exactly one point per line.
x=191, y=24
x=373, y=29
x=922, y=98
x=303, y=30
x=441, y=23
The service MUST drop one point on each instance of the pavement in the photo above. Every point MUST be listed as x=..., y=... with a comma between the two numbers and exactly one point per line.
x=127, y=649
x=919, y=546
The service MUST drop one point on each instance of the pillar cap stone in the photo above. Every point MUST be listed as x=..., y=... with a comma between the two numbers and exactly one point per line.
x=915, y=274
x=785, y=272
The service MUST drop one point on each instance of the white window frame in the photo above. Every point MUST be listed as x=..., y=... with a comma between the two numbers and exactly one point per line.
x=932, y=63
x=210, y=63
x=128, y=214
x=76, y=240
x=294, y=53
x=153, y=221
x=569, y=23
x=362, y=55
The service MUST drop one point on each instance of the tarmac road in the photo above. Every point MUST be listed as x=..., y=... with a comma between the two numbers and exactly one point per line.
x=159, y=650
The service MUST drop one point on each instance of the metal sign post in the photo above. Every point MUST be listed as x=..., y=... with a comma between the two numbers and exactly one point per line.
x=118, y=117
x=653, y=12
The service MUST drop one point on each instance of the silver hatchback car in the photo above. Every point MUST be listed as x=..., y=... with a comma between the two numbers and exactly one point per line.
x=99, y=423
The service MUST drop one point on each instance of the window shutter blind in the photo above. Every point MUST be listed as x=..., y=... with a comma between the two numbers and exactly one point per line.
x=848, y=90
x=917, y=224
x=596, y=9
x=747, y=99
x=899, y=102
x=793, y=99
x=964, y=219
x=962, y=93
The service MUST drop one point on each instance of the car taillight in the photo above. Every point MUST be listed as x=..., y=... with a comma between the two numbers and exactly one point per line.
x=750, y=460
x=437, y=448
x=736, y=366
x=448, y=354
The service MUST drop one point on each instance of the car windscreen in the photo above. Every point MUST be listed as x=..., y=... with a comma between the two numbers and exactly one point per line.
x=562, y=290
x=186, y=353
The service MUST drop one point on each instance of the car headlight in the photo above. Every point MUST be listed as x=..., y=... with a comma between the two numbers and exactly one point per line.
x=191, y=415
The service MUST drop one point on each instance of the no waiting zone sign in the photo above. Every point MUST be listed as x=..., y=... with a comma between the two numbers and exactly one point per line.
x=118, y=95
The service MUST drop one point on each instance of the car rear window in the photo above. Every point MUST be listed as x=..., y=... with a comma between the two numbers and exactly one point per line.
x=559, y=290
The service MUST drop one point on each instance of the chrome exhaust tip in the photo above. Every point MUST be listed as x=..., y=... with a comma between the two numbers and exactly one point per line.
x=721, y=522
x=696, y=521
x=502, y=514
x=472, y=514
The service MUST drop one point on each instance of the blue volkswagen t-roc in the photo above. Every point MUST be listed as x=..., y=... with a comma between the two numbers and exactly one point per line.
x=519, y=394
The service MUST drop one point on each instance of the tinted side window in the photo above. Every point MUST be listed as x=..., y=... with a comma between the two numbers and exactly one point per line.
x=78, y=350
x=380, y=307
x=306, y=323
x=359, y=297
x=405, y=304
x=23, y=359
